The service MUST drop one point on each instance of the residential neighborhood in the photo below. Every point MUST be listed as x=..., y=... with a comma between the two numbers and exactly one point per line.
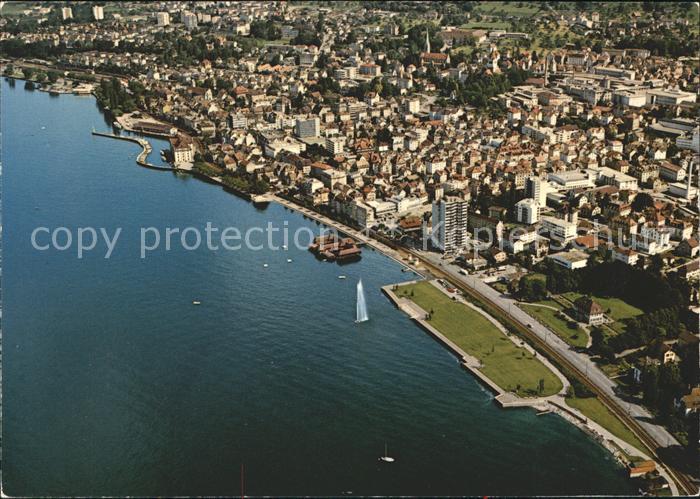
x=548, y=150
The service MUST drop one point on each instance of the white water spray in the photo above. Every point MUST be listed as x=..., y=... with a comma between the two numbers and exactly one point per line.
x=361, y=304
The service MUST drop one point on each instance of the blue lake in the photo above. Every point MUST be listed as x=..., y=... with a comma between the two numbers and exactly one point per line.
x=115, y=384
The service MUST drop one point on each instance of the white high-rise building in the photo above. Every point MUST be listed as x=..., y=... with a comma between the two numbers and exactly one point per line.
x=412, y=105
x=537, y=189
x=528, y=211
x=163, y=18
x=189, y=20
x=450, y=232
x=334, y=145
x=310, y=127
x=98, y=12
x=66, y=13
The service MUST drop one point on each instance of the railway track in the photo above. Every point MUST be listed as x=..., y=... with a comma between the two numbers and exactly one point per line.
x=684, y=483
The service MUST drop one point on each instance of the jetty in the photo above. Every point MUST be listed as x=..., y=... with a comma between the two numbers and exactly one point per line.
x=146, y=149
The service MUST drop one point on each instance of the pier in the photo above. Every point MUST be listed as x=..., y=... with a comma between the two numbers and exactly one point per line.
x=141, y=159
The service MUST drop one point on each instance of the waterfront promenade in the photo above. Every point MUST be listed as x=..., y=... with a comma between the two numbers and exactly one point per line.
x=504, y=397
x=405, y=258
x=386, y=356
x=556, y=403
x=399, y=256
x=632, y=415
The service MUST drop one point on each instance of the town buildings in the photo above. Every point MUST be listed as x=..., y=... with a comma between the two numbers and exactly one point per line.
x=449, y=216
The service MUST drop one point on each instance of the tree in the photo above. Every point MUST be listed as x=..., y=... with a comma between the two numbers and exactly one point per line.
x=532, y=289
x=267, y=30
x=642, y=201
x=657, y=263
x=650, y=385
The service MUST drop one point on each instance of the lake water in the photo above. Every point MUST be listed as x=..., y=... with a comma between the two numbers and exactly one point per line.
x=115, y=384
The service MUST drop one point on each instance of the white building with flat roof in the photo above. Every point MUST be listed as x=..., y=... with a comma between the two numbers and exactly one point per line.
x=189, y=20
x=307, y=127
x=450, y=233
x=162, y=19
x=537, y=188
x=669, y=97
x=559, y=229
x=571, y=260
x=622, y=181
x=527, y=211
x=571, y=179
x=335, y=145
x=98, y=13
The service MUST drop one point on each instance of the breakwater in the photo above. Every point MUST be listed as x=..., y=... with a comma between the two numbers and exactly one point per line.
x=141, y=159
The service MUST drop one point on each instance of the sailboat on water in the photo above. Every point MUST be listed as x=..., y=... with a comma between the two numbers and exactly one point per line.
x=361, y=311
x=386, y=457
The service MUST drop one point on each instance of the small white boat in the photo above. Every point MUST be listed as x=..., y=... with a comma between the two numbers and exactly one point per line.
x=341, y=277
x=284, y=246
x=289, y=260
x=264, y=265
x=196, y=302
x=43, y=128
x=386, y=458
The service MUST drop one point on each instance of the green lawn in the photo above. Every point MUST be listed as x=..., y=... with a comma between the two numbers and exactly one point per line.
x=548, y=317
x=502, y=361
x=15, y=8
x=281, y=41
x=593, y=408
x=523, y=9
x=619, y=310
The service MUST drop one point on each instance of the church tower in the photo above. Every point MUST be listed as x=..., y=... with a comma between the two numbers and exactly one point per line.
x=427, y=42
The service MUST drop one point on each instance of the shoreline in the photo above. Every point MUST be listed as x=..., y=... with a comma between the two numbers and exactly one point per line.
x=601, y=435
x=597, y=433
x=146, y=149
x=555, y=404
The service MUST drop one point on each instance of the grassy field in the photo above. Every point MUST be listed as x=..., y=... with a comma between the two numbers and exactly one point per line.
x=548, y=317
x=510, y=367
x=619, y=310
x=521, y=9
x=15, y=8
x=593, y=408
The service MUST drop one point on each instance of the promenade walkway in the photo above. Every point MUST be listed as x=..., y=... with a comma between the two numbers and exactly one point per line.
x=552, y=404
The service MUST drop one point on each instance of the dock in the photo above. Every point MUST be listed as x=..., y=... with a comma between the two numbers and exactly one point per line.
x=146, y=149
